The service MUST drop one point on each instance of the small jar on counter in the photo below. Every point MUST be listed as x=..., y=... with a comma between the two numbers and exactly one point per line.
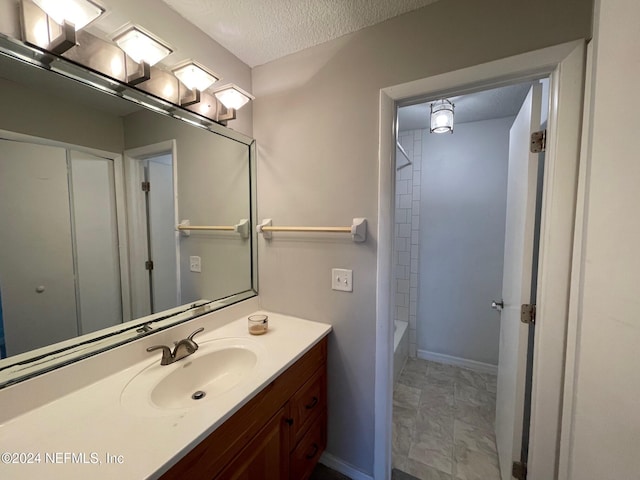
x=258, y=324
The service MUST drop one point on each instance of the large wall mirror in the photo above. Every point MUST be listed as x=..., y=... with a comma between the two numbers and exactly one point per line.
x=94, y=183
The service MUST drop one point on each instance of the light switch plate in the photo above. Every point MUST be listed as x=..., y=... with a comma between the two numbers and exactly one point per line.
x=195, y=264
x=342, y=279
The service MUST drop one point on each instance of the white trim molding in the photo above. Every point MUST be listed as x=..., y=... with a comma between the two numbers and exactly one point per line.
x=458, y=362
x=343, y=467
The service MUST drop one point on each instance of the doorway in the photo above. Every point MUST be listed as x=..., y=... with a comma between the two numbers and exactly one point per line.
x=450, y=220
x=564, y=64
x=155, y=274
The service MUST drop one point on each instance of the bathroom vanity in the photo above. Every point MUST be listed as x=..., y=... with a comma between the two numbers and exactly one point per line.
x=279, y=434
x=140, y=421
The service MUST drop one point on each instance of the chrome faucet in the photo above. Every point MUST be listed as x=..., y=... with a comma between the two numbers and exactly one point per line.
x=183, y=348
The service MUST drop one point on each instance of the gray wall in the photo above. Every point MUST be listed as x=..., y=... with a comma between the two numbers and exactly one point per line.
x=462, y=219
x=316, y=124
x=213, y=189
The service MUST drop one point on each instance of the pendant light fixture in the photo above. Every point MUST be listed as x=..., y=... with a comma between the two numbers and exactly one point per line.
x=441, y=116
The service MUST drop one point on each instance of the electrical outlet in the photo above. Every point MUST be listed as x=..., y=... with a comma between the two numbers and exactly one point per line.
x=342, y=279
x=195, y=264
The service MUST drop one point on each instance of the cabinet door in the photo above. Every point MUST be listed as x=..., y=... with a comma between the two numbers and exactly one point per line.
x=266, y=456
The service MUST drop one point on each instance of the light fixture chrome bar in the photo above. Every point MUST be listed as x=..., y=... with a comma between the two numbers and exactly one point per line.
x=142, y=74
x=225, y=114
x=191, y=99
x=65, y=41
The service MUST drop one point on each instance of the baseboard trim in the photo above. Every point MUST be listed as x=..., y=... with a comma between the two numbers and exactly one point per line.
x=459, y=362
x=343, y=467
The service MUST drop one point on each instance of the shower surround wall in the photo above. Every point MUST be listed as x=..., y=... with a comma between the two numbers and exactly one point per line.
x=407, y=232
x=462, y=220
x=449, y=267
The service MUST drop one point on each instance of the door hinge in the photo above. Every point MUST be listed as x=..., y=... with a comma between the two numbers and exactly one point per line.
x=146, y=186
x=528, y=313
x=538, y=141
x=519, y=470
x=148, y=265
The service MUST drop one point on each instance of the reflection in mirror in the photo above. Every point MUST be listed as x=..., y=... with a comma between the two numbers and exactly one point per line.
x=92, y=189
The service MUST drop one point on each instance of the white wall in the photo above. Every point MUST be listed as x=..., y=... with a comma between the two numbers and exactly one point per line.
x=462, y=218
x=316, y=124
x=606, y=423
x=407, y=224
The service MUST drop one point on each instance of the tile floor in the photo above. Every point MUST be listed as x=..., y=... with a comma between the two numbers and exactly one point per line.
x=443, y=423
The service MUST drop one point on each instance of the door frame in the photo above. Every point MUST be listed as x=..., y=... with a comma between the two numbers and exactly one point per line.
x=564, y=64
x=136, y=218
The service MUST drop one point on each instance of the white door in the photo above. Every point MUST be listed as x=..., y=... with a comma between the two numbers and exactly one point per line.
x=36, y=259
x=96, y=242
x=162, y=233
x=516, y=283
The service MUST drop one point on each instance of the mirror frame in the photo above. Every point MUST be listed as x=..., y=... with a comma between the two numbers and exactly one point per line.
x=36, y=362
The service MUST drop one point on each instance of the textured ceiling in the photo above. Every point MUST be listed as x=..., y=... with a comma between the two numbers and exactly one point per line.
x=258, y=31
x=485, y=105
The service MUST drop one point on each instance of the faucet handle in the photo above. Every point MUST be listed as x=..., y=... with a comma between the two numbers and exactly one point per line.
x=167, y=357
x=190, y=337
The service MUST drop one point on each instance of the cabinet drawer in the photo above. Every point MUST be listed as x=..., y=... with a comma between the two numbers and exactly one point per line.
x=305, y=456
x=307, y=403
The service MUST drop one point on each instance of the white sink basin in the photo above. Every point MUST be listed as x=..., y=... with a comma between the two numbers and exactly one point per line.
x=217, y=367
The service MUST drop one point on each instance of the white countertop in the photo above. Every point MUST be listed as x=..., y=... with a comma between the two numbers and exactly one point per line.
x=90, y=434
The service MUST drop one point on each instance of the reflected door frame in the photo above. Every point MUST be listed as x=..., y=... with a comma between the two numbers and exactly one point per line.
x=137, y=222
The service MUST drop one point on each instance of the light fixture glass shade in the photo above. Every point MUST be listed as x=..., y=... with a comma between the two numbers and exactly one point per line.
x=141, y=47
x=78, y=12
x=442, y=116
x=195, y=76
x=232, y=96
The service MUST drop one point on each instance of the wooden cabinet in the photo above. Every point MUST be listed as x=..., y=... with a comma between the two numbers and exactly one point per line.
x=264, y=457
x=278, y=435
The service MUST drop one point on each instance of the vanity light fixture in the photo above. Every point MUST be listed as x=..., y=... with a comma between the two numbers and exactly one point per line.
x=141, y=46
x=442, y=116
x=232, y=96
x=80, y=13
x=71, y=15
x=195, y=76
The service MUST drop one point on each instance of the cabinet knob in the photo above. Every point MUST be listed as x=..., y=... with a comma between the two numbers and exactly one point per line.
x=315, y=450
x=314, y=402
x=289, y=421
